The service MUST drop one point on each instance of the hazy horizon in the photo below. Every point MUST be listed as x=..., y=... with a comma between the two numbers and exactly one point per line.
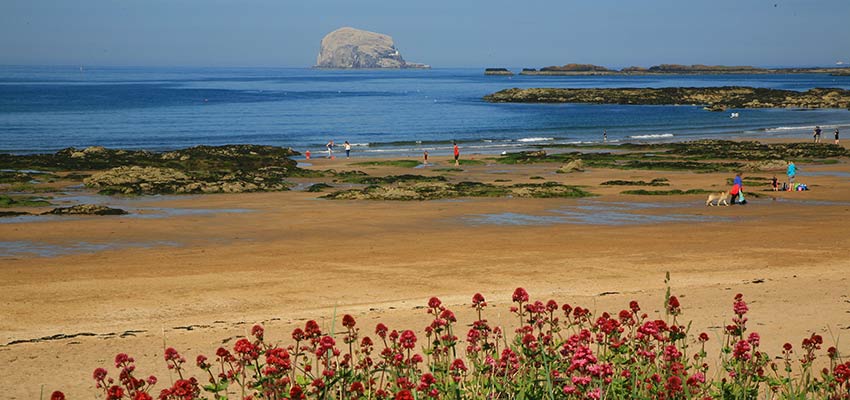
x=473, y=34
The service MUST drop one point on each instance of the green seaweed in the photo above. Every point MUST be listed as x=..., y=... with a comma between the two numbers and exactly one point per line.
x=654, y=182
x=318, y=187
x=22, y=201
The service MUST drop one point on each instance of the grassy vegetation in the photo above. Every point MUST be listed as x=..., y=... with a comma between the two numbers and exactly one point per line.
x=536, y=177
x=389, y=163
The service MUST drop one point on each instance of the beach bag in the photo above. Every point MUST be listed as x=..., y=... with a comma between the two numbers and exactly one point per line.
x=741, y=198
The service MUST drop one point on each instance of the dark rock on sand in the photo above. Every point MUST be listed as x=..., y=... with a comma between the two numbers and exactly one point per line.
x=86, y=209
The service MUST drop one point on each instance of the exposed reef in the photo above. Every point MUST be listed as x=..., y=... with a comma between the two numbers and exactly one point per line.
x=676, y=69
x=200, y=169
x=713, y=98
x=443, y=190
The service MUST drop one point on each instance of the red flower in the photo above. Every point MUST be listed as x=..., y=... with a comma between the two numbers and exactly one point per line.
x=673, y=306
x=114, y=393
x=458, y=365
x=381, y=330
x=57, y=395
x=787, y=347
x=257, y=331
x=740, y=307
x=171, y=354
x=633, y=305
x=246, y=349
x=99, y=374
x=408, y=339
x=434, y=302
x=297, y=334
x=478, y=300
x=142, y=396
x=311, y=328
x=703, y=337
x=296, y=393
x=348, y=321
x=520, y=295
x=404, y=395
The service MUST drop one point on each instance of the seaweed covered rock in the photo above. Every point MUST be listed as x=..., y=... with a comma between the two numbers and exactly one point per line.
x=86, y=209
x=714, y=98
x=155, y=180
x=572, y=166
x=198, y=158
x=441, y=190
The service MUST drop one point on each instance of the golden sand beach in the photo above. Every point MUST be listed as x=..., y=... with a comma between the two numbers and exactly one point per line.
x=196, y=280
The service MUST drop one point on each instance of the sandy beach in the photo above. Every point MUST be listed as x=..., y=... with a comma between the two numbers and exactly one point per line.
x=191, y=280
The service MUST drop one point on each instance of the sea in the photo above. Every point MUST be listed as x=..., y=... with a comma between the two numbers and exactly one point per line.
x=380, y=112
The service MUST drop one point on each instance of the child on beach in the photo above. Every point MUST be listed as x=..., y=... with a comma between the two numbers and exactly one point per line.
x=425, y=155
x=347, y=149
x=775, y=184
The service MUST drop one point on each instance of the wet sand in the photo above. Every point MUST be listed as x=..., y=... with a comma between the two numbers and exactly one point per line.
x=196, y=279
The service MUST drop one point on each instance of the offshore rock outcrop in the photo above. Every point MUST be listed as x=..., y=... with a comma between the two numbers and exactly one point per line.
x=350, y=48
x=713, y=98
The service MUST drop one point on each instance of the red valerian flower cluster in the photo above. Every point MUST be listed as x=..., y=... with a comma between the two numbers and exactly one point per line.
x=555, y=352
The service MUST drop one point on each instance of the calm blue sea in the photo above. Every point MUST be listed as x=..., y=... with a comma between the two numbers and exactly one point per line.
x=43, y=109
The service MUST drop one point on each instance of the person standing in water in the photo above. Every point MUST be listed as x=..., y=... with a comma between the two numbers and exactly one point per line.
x=817, y=134
x=330, y=147
x=604, y=136
x=347, y=149
x=457, y=153
x=836, y=135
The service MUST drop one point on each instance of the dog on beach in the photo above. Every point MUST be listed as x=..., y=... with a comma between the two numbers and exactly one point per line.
x=722, y=197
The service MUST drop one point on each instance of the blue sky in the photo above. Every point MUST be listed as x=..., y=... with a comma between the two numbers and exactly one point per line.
x=444, y=33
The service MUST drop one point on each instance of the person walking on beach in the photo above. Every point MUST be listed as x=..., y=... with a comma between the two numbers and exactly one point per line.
x=817, y=134
x=836, y=135
x=425, y=156
x=737, y=191
x=604, y=136
x=330, y=147
x=347, y=149
x=457, y=153
x=792, y=170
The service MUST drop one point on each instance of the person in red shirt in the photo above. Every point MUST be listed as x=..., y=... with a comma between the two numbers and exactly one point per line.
x=457, y=153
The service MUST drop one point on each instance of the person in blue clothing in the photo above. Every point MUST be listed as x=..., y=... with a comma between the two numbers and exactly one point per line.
x=792, y=170
x=737, y=189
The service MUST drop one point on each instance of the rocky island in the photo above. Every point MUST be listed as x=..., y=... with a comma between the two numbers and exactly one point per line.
x=349, y=48
x=713, y=98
